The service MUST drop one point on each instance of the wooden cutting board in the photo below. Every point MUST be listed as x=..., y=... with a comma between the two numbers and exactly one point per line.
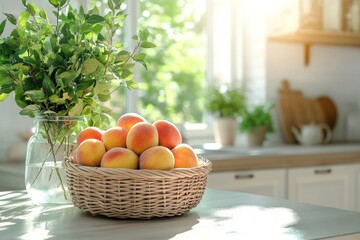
x=296, y=110
x=288, y=101
x=330, y=110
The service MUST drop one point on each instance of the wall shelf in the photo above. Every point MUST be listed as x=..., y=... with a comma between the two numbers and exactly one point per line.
x=310, y=37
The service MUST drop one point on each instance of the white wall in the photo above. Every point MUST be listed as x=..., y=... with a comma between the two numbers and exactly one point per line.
x=333, y=71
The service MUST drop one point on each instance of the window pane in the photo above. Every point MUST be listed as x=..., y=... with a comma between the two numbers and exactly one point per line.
x=172, y=86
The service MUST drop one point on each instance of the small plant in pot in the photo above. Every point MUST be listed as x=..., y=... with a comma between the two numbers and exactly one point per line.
x=256, y=122
x=60, y=73
x=226, y=105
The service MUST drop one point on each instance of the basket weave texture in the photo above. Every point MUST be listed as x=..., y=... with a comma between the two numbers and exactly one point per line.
x=127, y=193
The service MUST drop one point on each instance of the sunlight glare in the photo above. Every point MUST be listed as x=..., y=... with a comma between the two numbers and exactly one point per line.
x=245, y=222
x=38, y=231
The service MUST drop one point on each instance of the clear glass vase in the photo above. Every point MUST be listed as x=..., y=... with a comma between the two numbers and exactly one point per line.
x=53, y=140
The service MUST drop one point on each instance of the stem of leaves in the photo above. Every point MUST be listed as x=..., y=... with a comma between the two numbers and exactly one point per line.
x=51, y=135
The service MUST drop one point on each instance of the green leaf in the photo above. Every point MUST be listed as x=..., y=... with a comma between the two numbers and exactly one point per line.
x=24, y=2
x=135, y=37
x=118, y=3
x=132, y=84
x=7, y=88
x=63, y=2
x=45, y=31
x=93, y=19
x=20, y=98
x=118, y=45
x=103, y=88
x=11, y=18
x=123, y=56
x=104, y=97
x=86, y=110
x=140, y=56
x=2, y=26
x=90, y=66
x=56, y=14
x=35, y=95
x=49, y=112
x=54, y=98
x=43, y=14
x=30, y=110
x=81, y=12
x=147, y=45
x=144, y=35
x=48, y=85
x=111, y=4
x=23, y=18
x=142, y=62
x=126, y=73
x=5, y=79
x=58, y=3
x=3, y=96
x=32, y=8
x=94, y=10
x=85, y=85
x=21, y=66
x=77, y=109
x=67, y=76
x=4, y=76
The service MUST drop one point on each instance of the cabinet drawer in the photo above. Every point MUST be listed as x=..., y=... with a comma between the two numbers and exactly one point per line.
x=263, y=182
x=332, y=185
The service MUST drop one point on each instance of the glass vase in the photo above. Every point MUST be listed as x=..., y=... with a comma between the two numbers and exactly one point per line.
x=53, y=140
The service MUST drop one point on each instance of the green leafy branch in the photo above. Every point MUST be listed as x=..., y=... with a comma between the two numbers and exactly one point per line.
x=259, y=115
x=226, y=103
x=68, y=68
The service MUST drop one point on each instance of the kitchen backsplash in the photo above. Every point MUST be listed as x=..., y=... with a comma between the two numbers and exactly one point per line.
x=333, y=71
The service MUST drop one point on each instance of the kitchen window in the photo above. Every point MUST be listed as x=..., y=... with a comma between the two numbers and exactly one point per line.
x=199, y=42
x=174, y=84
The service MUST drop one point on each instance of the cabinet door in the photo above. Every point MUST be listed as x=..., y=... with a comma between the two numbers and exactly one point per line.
x=357, y=191
x=332, y=186
x=263, y=182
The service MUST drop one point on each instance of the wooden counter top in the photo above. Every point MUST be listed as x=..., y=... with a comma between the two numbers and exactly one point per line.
x=285, y=157
x=220, y=215
x=283, y=161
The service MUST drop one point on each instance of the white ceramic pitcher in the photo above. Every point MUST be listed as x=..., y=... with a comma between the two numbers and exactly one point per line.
x=312, y=134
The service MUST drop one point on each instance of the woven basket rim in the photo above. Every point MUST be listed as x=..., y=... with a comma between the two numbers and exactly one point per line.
x=204, y=168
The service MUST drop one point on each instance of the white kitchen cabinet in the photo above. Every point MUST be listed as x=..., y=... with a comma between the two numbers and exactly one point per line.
x=332, y=185
x=357, y=191
x=263, y=182
x=12, y=176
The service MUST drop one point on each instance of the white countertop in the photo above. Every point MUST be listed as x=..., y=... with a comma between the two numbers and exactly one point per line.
x=214, y=151
x=220, y=215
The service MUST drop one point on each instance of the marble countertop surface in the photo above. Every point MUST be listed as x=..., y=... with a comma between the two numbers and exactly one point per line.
x=220, y=215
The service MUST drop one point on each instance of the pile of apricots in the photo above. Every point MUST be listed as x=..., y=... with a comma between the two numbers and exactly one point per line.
x=134, y=143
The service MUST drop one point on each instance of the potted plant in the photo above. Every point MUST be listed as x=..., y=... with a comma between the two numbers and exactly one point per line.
x=256, y=122
x=60, y=73
x=226, y=105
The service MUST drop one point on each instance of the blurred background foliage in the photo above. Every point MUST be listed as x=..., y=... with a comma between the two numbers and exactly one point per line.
x=174, y=84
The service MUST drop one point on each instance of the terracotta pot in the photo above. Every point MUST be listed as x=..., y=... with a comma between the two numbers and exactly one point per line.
x=256, y=137
x=225, y=130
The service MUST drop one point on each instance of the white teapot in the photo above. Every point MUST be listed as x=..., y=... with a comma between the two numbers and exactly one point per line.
x=312, y=134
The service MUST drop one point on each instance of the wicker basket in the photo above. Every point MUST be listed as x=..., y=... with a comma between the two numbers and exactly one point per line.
x=126, y=193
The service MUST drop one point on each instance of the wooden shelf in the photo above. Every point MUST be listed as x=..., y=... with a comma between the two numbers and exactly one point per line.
x=310, y=37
